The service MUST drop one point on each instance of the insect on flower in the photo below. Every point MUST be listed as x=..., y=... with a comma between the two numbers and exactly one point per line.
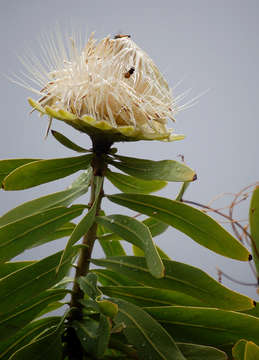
x=120, y=36
x=89, y=89
x=129, y=73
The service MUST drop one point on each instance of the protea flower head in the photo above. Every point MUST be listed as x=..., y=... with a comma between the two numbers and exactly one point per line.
x=111, y=89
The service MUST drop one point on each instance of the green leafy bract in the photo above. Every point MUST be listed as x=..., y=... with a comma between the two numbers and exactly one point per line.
x=62, y=139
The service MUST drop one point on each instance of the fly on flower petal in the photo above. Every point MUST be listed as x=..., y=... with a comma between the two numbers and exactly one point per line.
x=109, y=87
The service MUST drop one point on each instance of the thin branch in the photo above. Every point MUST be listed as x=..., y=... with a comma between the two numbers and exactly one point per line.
x=220, y=273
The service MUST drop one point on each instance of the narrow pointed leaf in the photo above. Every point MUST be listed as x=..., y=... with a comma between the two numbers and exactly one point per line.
x=43, y=171
x=155, y=226
x=7, y=166
x=206, y=326
x=84, y=225
x=145, y=334
x=130, y=184
x=10, y=267
x=61, y=198
x=245, y=350
x=110, y=278
x=62, y=139
x=138, y=234
x=47, y=347
x=200, y=352
x=149, y=296
x=138, y=252
x=25, y=336
x=254, y=225
x=179, y=277
x=12, y=321
x=25, y=283
x=168, y=170
x=61, y=232
x=112, y=247
x=103, y=336
x=27, y=232
x=194, y=223
x=88, y=285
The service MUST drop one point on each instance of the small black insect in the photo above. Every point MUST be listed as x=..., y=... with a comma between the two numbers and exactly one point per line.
x=129, y=73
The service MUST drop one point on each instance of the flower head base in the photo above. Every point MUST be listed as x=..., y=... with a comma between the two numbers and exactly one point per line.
x=111, y=88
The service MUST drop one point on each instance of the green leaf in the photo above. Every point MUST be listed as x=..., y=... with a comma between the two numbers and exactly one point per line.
x=25, y=336
x=47, y=347
x=206, y=326
x=194, y=223
x=61, y=198
x=200, y=352
x=88, y=284
x=84, y=225
x=10, y=267
x=27, y=232
x=138, y=252
x=168, y=170
x=138, y=234
x=156, y=228
x=103, y=336
x=179, y=277
x=25, y=283
x=245, y=350
x=7, y=166
x=63, y=231
x=145, y=334
x=254, y=225
x=108, y=277
x=94, y=336
x=149, y=296
x=130, y=184
x=108, y=308
x=62, y=139
x=112, y=247
x=14, y=320
x=43, y=171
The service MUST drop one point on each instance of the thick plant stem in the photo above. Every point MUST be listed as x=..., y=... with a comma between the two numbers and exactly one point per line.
x=82, y=268
x=83, y=263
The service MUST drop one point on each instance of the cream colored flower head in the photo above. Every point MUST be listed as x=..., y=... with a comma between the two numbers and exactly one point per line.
x=111, y=87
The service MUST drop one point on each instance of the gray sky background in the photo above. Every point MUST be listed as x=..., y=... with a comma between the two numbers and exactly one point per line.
x=209, y=44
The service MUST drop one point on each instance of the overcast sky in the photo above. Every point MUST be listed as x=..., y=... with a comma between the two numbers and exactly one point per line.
x=207, y=44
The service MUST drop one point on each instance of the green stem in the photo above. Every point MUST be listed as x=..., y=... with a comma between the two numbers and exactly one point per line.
x=99, y=167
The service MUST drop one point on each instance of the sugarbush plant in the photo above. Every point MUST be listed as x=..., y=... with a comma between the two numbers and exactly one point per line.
x=144, y=306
